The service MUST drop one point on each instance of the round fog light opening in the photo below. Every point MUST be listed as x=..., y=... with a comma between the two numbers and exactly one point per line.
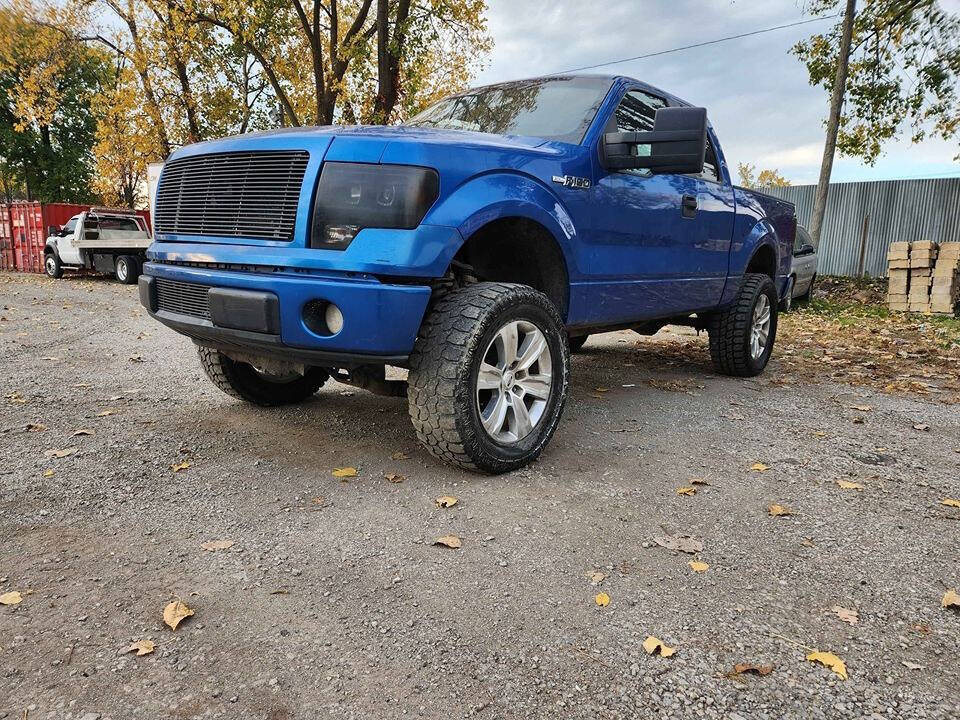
x=334, y=319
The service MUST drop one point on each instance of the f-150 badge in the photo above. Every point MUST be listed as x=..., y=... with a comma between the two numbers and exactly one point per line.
x=570, y=181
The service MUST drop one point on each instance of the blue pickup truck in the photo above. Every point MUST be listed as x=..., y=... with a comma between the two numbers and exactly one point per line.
x=477, y=245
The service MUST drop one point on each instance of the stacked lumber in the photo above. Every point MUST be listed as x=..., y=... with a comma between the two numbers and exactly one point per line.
x=945, y=283
x=898, y=269
x=923, y=256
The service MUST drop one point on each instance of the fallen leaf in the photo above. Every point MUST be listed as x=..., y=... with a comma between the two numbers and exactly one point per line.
x=596, y=577
x=141, y=647
x=759, y=467
x=848, y=485
x=136, y=359
x=950, y=502
x=950, y=599
x=60, y=453
x=400, y=456
x=688, y=491
x=830, y=660
x=344, y=472
x=683, y=543
x=181, y=466
x=921, y=426
x=602, y=389
x=778, y=510
x=602, y=599
x=105, y=413
x=744, y=668
x=699, y=481
x=83, y=432
x=446, y=501
x=394, y=477
x=11, y=598
x=451, y=541
x=698, y=566
x=912, y=665
x=175, y=612
x=858, y=421
x=35, y=427
x=653, y=645
x=861, y=408
x=280, y=591
x=214, y=545
x=846, y=614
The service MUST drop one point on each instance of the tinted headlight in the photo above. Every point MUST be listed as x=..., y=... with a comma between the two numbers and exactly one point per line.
x=353, y=196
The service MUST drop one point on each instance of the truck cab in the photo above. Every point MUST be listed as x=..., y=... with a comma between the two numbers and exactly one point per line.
x=476, y=246
x=107, y=240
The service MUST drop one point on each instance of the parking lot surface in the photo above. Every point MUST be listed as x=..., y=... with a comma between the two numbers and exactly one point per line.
x=328, y=597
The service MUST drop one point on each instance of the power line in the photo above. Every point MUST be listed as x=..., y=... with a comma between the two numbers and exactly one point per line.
x=701, y=44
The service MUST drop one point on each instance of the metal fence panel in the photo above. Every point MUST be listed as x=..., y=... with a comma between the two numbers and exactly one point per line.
x=897, y=209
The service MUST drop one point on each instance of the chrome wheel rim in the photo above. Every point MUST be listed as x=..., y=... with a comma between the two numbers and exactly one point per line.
x=760, y=330
x=51, y=265
x=121, y=270
x=514, y=382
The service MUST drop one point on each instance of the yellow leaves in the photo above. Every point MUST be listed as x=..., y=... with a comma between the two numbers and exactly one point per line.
x=175, y=612
x=849, y=616
x=602, y=599
x=344, y=472
x=11, y=598
x=15, y=398
x=698, y=567
x=141, y=647
x=214, y=545
x=66, y=452
x=687, y=491
x=180, y=467
x=776, y=510
x=759, y=467
x=446, y=501
x=950, y=502
x=48, y=473
x=951, y=599
x=829, y=660
x=653, y=645
x=450, y=541
x=849, y=485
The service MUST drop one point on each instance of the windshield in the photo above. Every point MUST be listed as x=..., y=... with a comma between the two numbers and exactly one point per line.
x=559, y=108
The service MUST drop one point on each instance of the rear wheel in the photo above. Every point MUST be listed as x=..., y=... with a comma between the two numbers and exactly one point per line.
x=742, y=335
x=244, y=382
x=126, y=269
x=52, y=266
x=488, y=377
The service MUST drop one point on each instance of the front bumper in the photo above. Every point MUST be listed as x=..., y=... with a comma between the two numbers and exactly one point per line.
x=263, y=314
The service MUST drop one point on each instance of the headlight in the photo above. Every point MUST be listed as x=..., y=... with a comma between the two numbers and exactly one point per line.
x=353, y=196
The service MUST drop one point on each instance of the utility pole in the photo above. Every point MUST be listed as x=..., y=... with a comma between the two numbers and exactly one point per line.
x=833, y=122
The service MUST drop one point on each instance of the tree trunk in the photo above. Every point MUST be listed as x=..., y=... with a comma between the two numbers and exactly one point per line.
x=833, y=122
x=389, y=52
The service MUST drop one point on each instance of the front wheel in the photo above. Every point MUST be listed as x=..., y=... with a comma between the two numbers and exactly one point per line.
x=244, y=382
x=742, y=335
x=488, y=377
x=52, y=266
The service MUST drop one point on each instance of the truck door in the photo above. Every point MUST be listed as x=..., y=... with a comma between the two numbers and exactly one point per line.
x=66, y=245
x=660, y=242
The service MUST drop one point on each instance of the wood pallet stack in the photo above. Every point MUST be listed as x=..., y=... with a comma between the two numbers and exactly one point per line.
x=924, y=276
x=898, y=269
x=945, y=287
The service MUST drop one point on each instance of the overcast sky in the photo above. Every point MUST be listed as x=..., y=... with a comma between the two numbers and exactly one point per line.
x=757, y=94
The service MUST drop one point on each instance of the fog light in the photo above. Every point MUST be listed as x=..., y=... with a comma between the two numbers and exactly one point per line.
x=333, y=318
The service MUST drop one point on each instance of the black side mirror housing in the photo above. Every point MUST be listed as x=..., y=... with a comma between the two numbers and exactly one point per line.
x=807, y=249
x=678, y=143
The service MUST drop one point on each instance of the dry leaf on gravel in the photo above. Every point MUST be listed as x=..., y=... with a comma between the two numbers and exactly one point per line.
x=759, y=467
x=698, y=566
x=778, y=510
x=60, y=453
x=180, y=467
x=699, y=481
x=11, y=598
x=445, y=501
x=602, y=389
x=921, y=426
x=48, y=473
x=654, y=645
x=596, y=577
x=105, y=413
x=848, y=485
x=450, y=541
x=141, y=647
x=846, y=614
x=400, y=456
x=602, y=599
x=912, y=665
x=683, y=543
x=688, y=491
x=35, y=427
x=345, y=472
x=950, y=599
x=830, y=660
x=214, y=545
x=175, y=612
x=950, y=502
x=744, y=668
x=394, y=477
x=861, y=408
x=83, y=431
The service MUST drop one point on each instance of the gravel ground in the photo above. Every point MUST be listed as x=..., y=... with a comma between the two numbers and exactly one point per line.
x=333, y=600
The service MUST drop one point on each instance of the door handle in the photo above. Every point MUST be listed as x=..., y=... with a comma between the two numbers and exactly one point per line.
x=690, y=205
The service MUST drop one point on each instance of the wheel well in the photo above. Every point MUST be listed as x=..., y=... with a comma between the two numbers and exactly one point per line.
x=764, y=261
x=521, y=251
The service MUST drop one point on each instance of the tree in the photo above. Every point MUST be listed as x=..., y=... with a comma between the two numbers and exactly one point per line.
x=766, y=179
x=893, y=66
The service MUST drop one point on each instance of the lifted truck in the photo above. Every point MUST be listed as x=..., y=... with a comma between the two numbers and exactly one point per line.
x=107, y=240
x=477, y=245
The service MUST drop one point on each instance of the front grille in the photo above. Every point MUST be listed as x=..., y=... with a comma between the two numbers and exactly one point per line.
x=184, y=298
x=243, y=194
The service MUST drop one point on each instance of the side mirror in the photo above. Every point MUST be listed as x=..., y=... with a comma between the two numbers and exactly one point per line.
x=677, y=143
x=53, y=231
x=807, y=249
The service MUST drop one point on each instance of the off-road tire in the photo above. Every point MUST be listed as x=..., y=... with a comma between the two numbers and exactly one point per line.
x=577, y=342
x=730, y=329
x=52, y=266
x=443, y=375
x=241, y=381
x=132, y=269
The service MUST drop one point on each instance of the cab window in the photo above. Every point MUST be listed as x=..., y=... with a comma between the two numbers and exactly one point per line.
x=70, y=226
x=802, y=238
x=636, y=113
x=711, y=167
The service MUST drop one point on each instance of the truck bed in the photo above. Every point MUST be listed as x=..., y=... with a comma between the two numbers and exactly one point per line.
x=116, y=240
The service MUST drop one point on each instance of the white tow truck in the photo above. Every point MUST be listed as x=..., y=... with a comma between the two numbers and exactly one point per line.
x=107, y=240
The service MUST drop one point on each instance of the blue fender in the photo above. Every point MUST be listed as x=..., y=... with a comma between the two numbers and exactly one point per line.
x=745, y=246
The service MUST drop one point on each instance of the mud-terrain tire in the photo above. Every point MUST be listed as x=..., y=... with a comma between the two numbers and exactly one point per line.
x=126, y=269
x=52, y=266
x=242, y=381
x=473, y=422
x=732, y=331
x=577, y=342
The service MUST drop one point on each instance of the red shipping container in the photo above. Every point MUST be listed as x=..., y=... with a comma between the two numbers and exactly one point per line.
x=6, y=240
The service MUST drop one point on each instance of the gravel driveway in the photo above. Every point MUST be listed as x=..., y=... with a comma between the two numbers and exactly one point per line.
x=333, y=600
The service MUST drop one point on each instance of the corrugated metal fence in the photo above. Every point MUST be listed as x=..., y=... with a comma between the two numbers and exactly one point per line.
x=893, y=210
